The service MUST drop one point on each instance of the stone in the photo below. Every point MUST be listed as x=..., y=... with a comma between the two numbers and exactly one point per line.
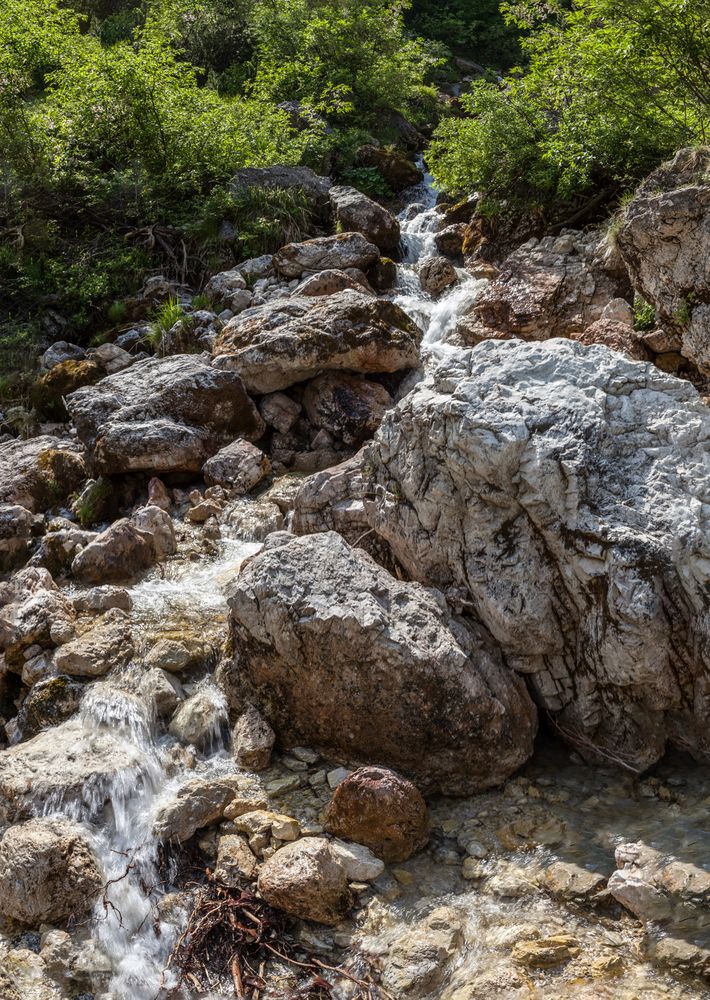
x=360, y=864
x=346, y=406
x=16, y=524
x=197, y=331
x=199, y=720
x=664, y=239
x=260, y=822
x=106, y=644
x=58, y=549
x=279, y=411
x=436, y=274
x=60, y=352
x=616, y=336
x=545, y=487
x=333, y=500
x=240, y=466
x=158, y=494
x=228, y=289
x=31, y=608
x=162, y=415
x=449, y=241
x=48, y=392
x=306, y=880
x=571, y=882
x=420, y=961
x=326, y=253
x=198, y=803
x=126, y=548
x=328, y=283
x=110, y=358
x=287, y=341
x=341, y=656
x=376, y=807
x=235, y=862
x=39, y=473
x=546, y=953
x=178, y=654
x=49, y=702
x=313, y=186
x=163, y=690
x=357, y=213
x=252, y=740
x=397, y=169
x=48, y=872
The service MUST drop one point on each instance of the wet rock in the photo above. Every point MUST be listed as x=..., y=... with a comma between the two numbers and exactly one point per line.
x=252, y=740
x=306, y=880
x=554, y=287
x=235, y=862
x=31, y=608
x=48, y=872
x=328, y=283
x=199, y=720
x=360, y=864
x=127, y=547
x=357, y=213
x=239, y=467
x=48, y=703
x=40, y=472
x=502, y=458
x=326, y=253
x=382, y=275
x=420, y=962
x=664, y=241
x=398, y=171
x=616, y=336
x=24, y=977
x=176, y=653
x=376, y=807
x=279, y=411
x=260, y=825
x=340, y=656
x=290, y=340
x=162, y=415
x=103, y=599
x=69, y=764
x=568, y=881
x=59, y=352
x=163, y=690
x=547, y=952
x=436, y=275
x=198, y=803
x=347, y=407
x=449, y=241
x=58, y=549
x=16, y=524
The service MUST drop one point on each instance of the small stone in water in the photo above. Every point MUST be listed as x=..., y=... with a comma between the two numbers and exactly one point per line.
x=472, y=870
x=403, y=876
x=318, y=778
x=475, y=849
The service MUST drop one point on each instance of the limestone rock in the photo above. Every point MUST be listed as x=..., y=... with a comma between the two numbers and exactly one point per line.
x=359, y=214
x=16, y=525
x=420, y=962
x=376, y=807
x=163, y=690
x=436, y=274
x=162, y=415
x=240, y=466
x=559, y=494
x=616, y=336
x=103, y=599
x=48, y=703
x=360, y=864
x=106, y=644
x=39, y=472
x=228, y=289
x=324, y=253
x=58, y=549
x=253, y=740
x=235, y=862
x=48, y=392
x=31, y=608
x=568, y=881
x=332, y=500
x=279, y=411
x=127, y=547
x=340, y=656
x=287, y=341
x=397, y=170
x=176, y=653
x=200, y=718
x=347, y=407
x=306, y=880
x=48, y=872
x=198, y=803
x=547, y=952
x=328, y=283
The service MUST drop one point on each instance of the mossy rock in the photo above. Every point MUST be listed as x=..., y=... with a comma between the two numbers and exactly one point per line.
x=60, y=473
x=47, y=394
x=382, y=274
x=96, y=502
x=48, y=703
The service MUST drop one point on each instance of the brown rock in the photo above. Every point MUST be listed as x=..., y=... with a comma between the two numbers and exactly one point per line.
x=436, y=275
x=328, y=283
x=348, y=407
x=305, y=880
x=449, y=241
x=616, y=336
x=253, y=740
x=547, y=952
x=376, y=807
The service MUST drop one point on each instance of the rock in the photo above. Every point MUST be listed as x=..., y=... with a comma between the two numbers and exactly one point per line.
x=376, y=807
x=158, y=494
x=48, y=872
x=420, y=962
x=163, y=690
x=127, y=547
x=60, y=352
x=359, y=862
x=31, y=607
x=58, y=549
x=176, y=653
x=382, y=275
x=288, y=341
x=347, y=407
x=326, y=253
x=332, y=500
x=239, y=467
x=306, y=880
x=252, y=741
x=616, y=336
x=162, y=415
x=16, y=524
x=546, y=288
x=228, y=289
x=48, y=392
x=235, y=862
x=198, y=803
x=48, y=703
x=279, y=411
x=436, y=274
x=571, y=882
x=398, y=171
x=586, y=469
x=547, y=952
x=261, y=825
x=102, y=599
x=197, y=331
x=110, y=358
x=449, y=241
x=24, y=977
x=664, y=241
x=106, y=644
x=339, y=655
x=199, y=720
x=66, y=764
x=328, y=283
x=314, y=187
x=39, y=472
x=357, y=213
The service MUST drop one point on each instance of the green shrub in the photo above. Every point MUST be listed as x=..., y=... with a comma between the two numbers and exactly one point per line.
x=165, y=318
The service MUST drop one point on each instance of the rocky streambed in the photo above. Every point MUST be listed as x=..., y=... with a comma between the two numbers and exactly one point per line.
x=364, y=654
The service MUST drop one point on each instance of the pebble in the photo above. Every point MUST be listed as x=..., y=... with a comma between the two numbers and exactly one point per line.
x=317, y=778
x=282, y=785
x=293, y=764
x=305, y=754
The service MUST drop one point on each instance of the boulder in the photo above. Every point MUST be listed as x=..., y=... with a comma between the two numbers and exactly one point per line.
x=33, y=612
x=60, y=352
x=162, y=690
x=340, y=656
x=347, y=407
x=557, y=492
x=39, y=472
x=279, y=411
x=48, y=872
x=107, y=643
x=436, y=274
x=199, y=720
x=328, y=283
x=664, y=240
x=103, y=599
x=554, y=287
x=162, y=415
x=324, y=253
x=357, y=213
x=48, y=703
x=176, y=652
x=200, y=802
x=287, y=341
x=239, y=467
x=196, y=331
x=127, y=547
x=48, y=392
x=306, y=880
x=228, y=289
x=313, y=186
x=16, y=524
x=68, y=764
x=58, y=549
x=378, y=808
x=449, y=241
x=616, y=336
x=252, y=740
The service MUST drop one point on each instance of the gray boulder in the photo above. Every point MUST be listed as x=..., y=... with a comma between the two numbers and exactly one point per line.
x=359, y=214
x=39, y=472
x=325, y=253
x=314, y=187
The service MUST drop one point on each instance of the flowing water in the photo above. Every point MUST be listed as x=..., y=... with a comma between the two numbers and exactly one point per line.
x=489, y=854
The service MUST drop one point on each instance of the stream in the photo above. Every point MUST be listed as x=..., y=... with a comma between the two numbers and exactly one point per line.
x=486, y=866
